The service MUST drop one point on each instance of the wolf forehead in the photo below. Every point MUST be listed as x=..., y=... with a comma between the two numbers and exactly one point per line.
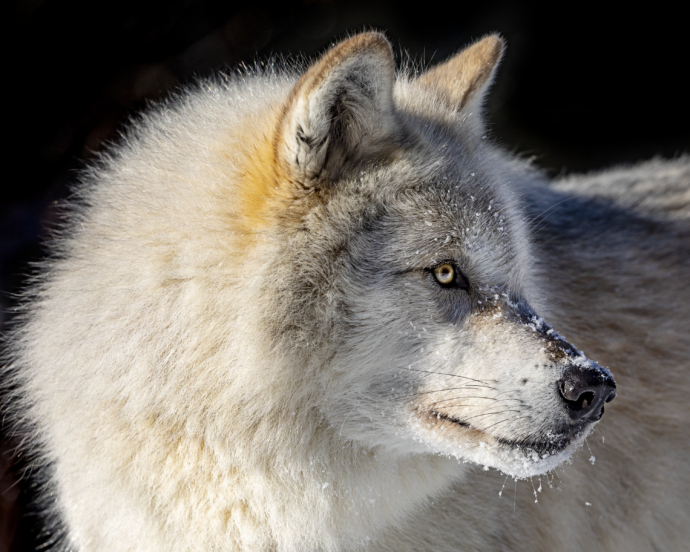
x=430, y=181
x=450, y=214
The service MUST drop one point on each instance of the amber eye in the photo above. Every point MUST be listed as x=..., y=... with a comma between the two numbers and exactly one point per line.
x=444, y=274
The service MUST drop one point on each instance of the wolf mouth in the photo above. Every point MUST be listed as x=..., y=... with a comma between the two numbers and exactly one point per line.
x=543, y=448
x=448, y=418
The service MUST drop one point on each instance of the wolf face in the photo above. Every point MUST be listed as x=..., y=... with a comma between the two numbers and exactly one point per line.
x=444, y=350
x=411, y=259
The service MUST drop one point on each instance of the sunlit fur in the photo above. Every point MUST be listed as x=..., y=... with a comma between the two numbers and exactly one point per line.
x=238, y=342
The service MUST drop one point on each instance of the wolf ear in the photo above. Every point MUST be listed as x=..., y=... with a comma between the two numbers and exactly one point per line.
x=464, y=79
x=340, y=110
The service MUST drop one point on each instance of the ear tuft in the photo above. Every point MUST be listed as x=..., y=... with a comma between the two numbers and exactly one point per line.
x=339, y=111
x=465, y=78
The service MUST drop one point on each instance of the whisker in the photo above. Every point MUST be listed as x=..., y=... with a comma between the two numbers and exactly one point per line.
x=549, y=209
x=443, y=373
x=490, y=413
x=415, y=394
x=488, y=398
x=499, y=422
x=462, y=397
x=468, y=386
x=519, y=401
x=543, y=222
x=453, y=375
x=460, y=405
x=502, y=421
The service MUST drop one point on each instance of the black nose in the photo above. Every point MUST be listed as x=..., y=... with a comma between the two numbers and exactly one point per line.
x=585, y=389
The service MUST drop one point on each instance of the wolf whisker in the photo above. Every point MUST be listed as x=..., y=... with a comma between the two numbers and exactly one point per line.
x=417, y=393
x=503, y=421
x=463, y=397
x=474, y=397
x=490, y=414
x=453, y=375
x=539, y=216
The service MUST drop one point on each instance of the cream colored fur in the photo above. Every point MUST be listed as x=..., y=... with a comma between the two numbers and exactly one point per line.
x=237, y=344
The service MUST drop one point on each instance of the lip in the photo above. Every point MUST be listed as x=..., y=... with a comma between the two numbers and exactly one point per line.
x=448, y=418
x=542, y=447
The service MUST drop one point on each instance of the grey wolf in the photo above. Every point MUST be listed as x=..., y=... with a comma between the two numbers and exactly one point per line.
x=311, y=310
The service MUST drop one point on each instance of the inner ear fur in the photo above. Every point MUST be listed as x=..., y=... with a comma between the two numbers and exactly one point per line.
x=340, y=111
x=462, y=81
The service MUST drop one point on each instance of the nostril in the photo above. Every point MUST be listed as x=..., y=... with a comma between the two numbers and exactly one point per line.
x=586, y=399
x=581, y=401
x=584, y=390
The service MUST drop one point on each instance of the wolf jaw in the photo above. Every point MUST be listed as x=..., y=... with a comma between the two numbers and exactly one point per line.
x=518, y=459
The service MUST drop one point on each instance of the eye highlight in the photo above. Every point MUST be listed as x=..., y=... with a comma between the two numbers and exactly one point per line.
x=447, y=275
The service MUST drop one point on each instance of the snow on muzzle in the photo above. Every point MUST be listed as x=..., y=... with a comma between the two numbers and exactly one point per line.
x=584, y=386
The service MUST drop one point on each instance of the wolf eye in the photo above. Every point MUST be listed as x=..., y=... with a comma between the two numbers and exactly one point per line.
x=444, y=274
x=448, y=276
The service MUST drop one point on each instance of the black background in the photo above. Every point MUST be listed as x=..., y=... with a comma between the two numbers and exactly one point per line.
x=581, y=87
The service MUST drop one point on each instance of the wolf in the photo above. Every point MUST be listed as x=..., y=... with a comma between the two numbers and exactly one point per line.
x=310, y=308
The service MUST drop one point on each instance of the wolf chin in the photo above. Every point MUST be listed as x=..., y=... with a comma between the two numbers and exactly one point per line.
x=301, y=309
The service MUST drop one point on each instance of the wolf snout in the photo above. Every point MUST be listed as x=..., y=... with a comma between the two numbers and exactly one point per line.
x=584, y=390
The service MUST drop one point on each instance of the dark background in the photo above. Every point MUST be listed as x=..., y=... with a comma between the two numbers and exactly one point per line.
x=580, y=88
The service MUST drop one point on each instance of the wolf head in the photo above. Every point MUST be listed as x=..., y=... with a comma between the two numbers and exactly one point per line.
x=403, y=279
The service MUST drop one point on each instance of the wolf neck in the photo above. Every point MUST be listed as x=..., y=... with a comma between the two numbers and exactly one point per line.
x=318, y=492
x=264, y=474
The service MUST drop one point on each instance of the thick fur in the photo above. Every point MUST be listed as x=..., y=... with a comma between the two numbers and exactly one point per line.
x=239, y=344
